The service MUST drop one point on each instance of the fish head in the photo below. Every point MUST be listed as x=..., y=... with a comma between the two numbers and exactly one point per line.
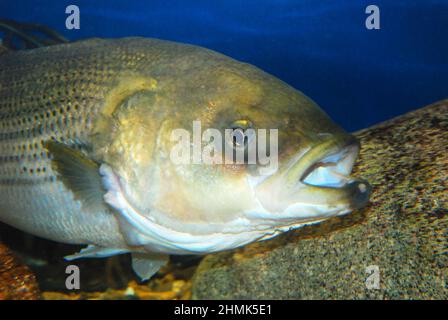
x=213, y=105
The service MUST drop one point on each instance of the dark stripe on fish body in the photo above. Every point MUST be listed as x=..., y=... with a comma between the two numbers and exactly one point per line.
x=27, y=182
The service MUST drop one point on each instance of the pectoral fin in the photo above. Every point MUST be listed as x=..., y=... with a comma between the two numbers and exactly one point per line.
x=79, y=173
x=145, y=265
x=92, y=251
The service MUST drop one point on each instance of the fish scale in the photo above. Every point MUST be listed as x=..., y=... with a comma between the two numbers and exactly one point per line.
x=54, y=93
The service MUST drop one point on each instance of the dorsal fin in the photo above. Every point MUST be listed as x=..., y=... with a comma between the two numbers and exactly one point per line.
x=28, y=35
x=3, y=49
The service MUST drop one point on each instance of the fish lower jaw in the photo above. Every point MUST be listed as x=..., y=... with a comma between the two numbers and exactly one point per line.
x=296, y=216
x=298, y=213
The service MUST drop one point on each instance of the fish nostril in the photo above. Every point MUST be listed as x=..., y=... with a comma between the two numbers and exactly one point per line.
x=362, y=187
x=361, y=194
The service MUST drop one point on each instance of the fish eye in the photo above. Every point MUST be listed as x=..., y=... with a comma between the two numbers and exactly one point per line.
x=240, y=134
x=239, y=137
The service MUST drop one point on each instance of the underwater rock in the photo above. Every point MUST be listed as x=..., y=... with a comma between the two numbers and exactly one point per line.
x=395, y=248
x=17, y=282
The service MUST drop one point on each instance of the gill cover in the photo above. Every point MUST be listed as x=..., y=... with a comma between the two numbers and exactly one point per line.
x=78, y=167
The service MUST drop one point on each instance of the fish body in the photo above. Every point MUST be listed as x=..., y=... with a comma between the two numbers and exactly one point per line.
x=86, y=139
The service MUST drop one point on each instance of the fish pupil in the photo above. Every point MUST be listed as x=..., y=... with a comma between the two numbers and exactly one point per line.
x=239, y=137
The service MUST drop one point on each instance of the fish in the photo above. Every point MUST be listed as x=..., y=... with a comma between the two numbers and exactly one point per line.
x=86, y=143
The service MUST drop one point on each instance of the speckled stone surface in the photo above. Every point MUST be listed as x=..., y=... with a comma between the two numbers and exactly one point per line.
x=403, y=231
x=17, y=282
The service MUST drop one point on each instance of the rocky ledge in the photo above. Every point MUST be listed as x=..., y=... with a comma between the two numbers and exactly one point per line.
x=395, y=248
x=17, y=282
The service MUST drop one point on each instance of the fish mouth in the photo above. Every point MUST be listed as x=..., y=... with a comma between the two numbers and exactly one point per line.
x=323, y=175
x=318, y=183
x=332, y=170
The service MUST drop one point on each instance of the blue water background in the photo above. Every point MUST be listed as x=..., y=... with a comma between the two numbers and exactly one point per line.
x=358, y=76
